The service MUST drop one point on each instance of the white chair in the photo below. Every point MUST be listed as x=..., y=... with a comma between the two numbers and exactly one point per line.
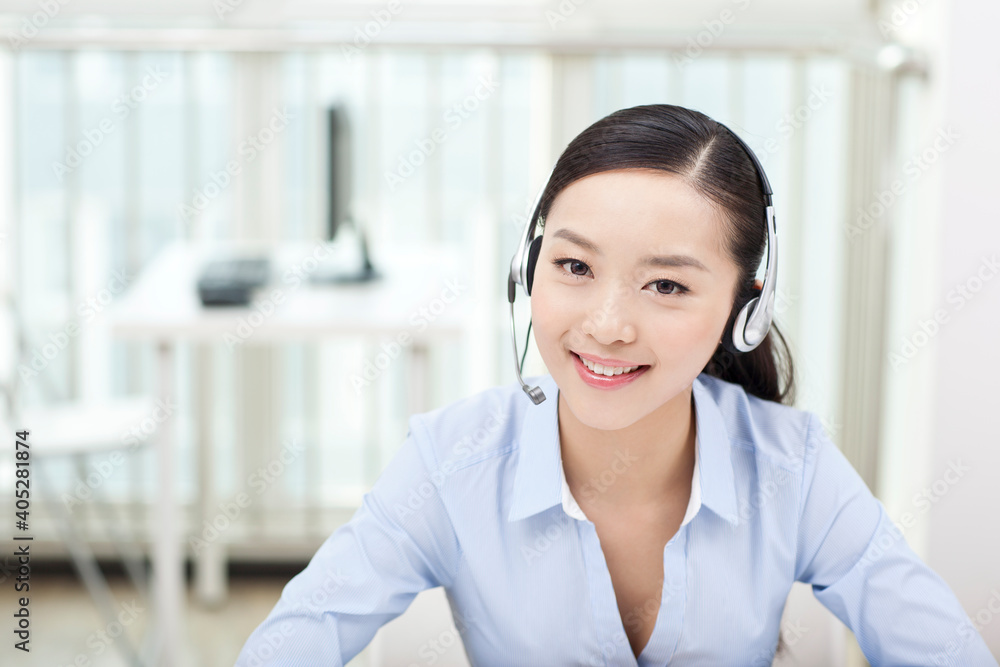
x=75, y=431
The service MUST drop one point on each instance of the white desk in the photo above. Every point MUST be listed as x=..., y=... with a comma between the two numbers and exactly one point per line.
x=162, y=306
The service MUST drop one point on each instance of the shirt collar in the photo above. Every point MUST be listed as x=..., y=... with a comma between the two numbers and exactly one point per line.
x=539, y=479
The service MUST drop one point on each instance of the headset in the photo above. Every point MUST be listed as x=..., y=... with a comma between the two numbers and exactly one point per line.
x=748, y=323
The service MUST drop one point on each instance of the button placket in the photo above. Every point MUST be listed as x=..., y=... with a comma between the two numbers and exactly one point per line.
x=615, y=649
x=670, y=617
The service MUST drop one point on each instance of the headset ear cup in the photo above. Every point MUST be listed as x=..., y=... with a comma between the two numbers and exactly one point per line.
x=728, y=333
x=533, y=250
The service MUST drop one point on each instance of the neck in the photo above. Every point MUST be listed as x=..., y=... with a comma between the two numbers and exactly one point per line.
x=646, y=464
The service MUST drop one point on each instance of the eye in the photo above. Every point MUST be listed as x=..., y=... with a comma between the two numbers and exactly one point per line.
x=679, y=289
x=572, y=263
x=675, y=288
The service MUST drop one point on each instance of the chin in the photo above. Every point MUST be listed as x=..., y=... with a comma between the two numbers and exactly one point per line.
x=599, y=418
x=598, y=408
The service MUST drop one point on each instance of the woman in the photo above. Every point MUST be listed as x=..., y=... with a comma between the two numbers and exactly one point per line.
x=655, y=500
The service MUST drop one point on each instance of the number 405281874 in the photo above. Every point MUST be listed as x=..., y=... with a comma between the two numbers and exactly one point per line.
x=22, y=483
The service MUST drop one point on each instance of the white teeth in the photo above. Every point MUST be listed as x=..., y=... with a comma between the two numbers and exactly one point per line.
x=601, y=370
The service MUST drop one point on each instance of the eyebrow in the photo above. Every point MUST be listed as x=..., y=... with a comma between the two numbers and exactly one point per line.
x=650, y=260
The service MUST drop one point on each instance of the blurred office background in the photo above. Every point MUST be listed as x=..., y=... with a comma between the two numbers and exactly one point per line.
x=875, y=124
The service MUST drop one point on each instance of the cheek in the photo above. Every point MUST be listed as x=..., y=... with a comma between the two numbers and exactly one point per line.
x=684, y=334
x=709, y=325
x=546, y=304
x=554, y=317
x=542, y=310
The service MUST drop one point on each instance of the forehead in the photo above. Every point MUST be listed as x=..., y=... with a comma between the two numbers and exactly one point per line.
x=639, y=210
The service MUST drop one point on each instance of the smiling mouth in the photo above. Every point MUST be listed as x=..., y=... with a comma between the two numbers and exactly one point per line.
x=600, y=371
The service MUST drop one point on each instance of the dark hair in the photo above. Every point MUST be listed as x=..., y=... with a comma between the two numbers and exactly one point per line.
x=703, y=152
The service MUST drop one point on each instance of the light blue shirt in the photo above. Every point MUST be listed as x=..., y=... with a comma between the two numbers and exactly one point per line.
x=475, y=501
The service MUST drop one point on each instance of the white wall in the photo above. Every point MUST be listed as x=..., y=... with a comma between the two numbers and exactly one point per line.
x=619, y=13
x=964, y=525
x=278, y=24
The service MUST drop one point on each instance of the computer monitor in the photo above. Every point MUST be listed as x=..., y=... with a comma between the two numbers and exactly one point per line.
x=338, y=185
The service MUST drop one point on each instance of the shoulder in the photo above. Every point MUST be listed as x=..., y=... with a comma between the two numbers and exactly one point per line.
x=781, y=434
x=478, y=427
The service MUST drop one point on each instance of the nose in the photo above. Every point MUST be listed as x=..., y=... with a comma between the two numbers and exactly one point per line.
x=610, y=320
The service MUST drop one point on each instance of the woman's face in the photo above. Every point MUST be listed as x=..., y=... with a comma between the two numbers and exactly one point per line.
x=605, y=299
